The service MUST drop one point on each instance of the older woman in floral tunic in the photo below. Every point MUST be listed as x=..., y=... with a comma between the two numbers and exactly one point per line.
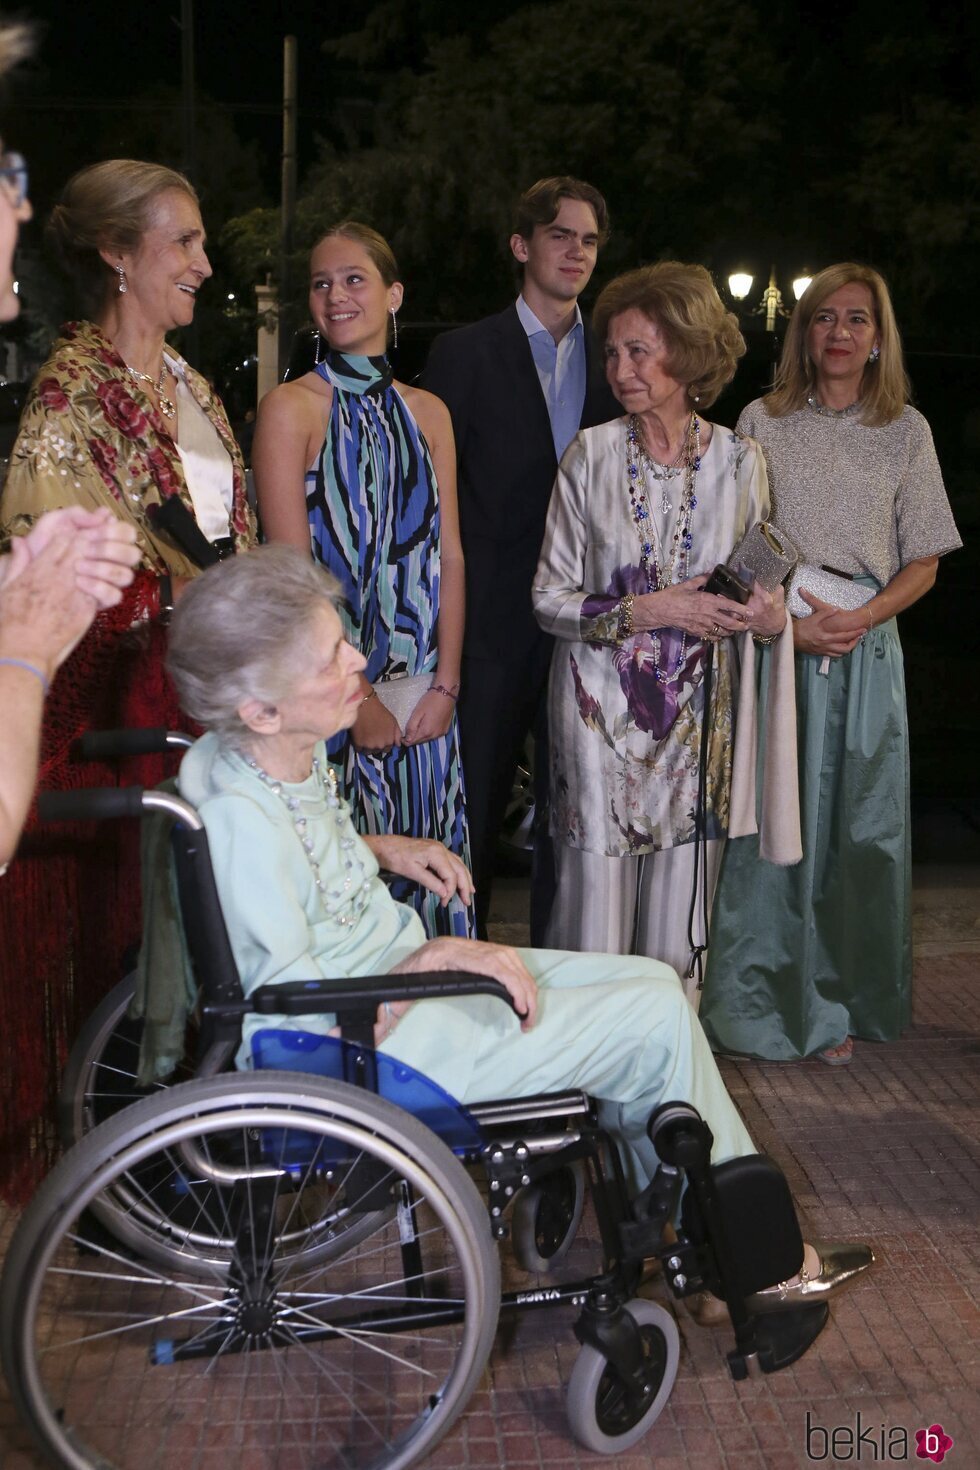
x=643, y=509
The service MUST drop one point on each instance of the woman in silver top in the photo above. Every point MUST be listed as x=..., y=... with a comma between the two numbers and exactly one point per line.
x=806, y=958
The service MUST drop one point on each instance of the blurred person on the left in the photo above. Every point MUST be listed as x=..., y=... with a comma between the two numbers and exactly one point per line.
x=117, y=428
x=55, y=580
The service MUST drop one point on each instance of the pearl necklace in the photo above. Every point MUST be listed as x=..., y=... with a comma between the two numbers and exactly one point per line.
x=356, y=885
x=661, y=574
x=167, y=406
x=832, y=413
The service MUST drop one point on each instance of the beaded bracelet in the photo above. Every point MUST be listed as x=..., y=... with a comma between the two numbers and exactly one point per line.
x=452, y=694
x=21, y=663
x=624, y=622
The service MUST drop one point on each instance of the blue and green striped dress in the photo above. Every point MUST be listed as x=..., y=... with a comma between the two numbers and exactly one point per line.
x=373, y=508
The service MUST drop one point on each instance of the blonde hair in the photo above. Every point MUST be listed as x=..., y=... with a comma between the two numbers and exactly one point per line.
x=703, y=341
x=884, y=385
x=16, y=42
x=107, y=206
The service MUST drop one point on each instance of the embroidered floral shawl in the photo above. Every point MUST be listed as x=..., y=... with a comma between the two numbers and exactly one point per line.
x=90, y=436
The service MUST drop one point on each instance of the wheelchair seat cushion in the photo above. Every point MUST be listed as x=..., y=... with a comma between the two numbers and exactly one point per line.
x=287, y=1050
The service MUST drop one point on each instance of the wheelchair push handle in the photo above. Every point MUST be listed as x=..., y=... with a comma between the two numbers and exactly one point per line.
x=97, y=745
x=105, y=803
x=96, y=803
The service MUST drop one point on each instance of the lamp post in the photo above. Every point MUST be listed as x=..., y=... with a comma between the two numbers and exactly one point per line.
x=771, y=305
x=740, y=284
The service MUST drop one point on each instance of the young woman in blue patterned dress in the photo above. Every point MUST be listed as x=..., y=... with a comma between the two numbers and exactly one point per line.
x=363, y=471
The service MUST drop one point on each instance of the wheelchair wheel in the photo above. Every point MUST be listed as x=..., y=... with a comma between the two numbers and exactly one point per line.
x=272, y=1360
x=600, y=1413
x=100, y=1074
x=546, y=1217
x=150, y=1210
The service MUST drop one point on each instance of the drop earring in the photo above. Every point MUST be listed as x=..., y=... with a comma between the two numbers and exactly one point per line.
x=874, y=354
x=123, y=288
x=394, y=327
x=316, y=357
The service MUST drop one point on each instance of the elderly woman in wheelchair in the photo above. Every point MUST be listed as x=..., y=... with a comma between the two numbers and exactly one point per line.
x=319, y=1247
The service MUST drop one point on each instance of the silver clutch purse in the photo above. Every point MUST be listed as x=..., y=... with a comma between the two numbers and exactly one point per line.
x=828, y=586
x=767, y=553
x=400, y=695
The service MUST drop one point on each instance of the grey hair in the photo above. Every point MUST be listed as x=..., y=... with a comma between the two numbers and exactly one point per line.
x=240, y=631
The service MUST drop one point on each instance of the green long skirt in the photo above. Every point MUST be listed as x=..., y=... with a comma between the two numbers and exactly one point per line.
x=802, y=957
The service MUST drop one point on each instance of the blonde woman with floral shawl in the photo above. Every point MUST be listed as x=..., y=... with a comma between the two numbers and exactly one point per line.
x=117, y=419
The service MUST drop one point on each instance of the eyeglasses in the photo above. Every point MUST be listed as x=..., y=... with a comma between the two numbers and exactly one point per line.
x=13, y=171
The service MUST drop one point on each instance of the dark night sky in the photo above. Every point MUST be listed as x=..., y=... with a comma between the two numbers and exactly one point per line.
x=97, y=52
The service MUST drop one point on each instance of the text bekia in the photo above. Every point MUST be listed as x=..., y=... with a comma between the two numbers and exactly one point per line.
x=858, y=1441
x=874, y=1444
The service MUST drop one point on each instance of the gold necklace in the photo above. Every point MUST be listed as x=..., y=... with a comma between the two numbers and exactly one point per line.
x=167, y=406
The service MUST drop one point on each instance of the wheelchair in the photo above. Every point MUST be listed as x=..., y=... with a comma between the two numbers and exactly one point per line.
x=296, y=1267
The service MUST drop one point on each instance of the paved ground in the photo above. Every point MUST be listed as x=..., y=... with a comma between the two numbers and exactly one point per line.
x=886, y=1150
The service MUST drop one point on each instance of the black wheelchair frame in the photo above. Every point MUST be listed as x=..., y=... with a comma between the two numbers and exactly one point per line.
x=201, y=1180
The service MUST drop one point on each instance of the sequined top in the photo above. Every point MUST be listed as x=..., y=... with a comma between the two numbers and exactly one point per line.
x=866, y=501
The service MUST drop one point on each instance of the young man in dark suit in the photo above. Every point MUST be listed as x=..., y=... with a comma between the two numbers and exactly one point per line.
x=519, y=385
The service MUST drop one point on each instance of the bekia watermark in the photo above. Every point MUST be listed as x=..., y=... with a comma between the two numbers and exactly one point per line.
x=874, y=1443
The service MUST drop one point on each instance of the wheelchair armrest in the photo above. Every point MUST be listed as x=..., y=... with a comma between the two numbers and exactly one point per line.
x=307, y=997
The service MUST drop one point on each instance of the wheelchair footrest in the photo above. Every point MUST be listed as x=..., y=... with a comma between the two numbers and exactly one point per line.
x=780, y=1338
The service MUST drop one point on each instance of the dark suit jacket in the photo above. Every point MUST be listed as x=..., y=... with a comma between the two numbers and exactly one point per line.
x=485, y=374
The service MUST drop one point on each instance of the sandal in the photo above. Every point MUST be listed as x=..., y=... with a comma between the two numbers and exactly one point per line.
x=840, y=1055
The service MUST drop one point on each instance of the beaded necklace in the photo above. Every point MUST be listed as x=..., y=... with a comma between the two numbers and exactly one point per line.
x=813, y=403
x=665, y=472
x=658, y=571
x=355, y=884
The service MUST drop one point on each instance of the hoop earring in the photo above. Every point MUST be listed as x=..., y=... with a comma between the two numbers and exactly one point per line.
x=394, y=327
x=123, y=288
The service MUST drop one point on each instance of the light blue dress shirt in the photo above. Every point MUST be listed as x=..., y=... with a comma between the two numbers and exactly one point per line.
x=561, y=373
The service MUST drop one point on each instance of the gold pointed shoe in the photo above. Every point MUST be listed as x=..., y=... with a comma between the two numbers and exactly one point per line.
x=840, y=1264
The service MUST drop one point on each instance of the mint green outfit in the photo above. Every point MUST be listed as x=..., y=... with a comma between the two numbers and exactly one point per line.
x=617, y=1027
x=803, y=957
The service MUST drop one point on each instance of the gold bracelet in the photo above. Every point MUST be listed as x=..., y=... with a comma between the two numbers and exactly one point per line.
x=373, y=694
x=871, y=620
x=624, y=622
x=767, y=640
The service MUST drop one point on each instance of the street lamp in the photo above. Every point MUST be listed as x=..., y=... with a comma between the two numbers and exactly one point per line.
x=740, y=284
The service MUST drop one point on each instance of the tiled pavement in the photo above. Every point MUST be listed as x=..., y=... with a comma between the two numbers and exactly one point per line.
x=885, y=1150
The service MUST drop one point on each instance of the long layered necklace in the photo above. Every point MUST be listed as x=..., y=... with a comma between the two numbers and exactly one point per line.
x=167, y=406
x=355, y=885
x=658, y=570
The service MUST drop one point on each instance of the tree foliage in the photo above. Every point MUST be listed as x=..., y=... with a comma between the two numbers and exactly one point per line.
x=731, y=132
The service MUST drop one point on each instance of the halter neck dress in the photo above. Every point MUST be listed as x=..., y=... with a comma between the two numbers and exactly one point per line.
x=373, y=507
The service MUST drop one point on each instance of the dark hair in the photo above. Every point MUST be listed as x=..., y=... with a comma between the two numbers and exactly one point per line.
x=376, y=246
x=106, y=206
x=703, y=341
x=540, y=204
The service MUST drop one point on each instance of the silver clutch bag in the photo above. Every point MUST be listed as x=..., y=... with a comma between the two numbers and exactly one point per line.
x=400, y=695
x=767, y=553
x=828, y=586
